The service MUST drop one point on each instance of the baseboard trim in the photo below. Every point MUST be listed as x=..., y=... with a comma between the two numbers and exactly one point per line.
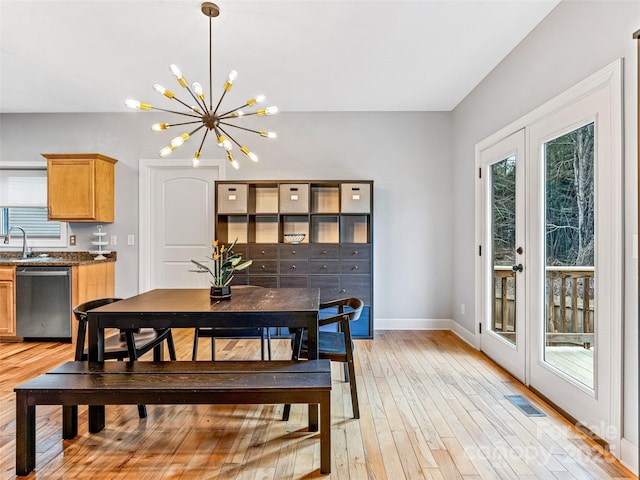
x=413, y=324
x=426, y=324
x=629, y=455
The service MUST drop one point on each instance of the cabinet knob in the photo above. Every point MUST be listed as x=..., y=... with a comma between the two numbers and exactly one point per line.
x=324, y=252
x=262, y=252
x=293, y=267
x=262, y=267
x=355, y=252
x=343, y=290
x=355, y=267
x=293, y=252
x=324, y=267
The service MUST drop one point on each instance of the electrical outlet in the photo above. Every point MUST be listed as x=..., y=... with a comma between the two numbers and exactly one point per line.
x=72, y=240
x=113, y=240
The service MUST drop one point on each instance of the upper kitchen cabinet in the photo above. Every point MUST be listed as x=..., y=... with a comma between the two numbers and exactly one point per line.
x=80, y=187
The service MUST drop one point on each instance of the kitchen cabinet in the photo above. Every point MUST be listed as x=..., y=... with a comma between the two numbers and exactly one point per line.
x=336, y=253
x=7, y=301
x=80, y=187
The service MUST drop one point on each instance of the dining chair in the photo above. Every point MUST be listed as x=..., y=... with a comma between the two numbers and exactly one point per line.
x=130, y=344
x=230, y=332
x=335, y=346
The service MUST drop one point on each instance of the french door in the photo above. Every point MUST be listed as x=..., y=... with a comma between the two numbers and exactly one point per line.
x=550, y=231
x=575, y=268
x=503, y=328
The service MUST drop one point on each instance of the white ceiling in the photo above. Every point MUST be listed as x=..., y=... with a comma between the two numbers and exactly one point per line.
x=305, y=55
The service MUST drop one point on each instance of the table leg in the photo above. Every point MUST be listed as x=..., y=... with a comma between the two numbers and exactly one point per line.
x=325, y=433
x=96, y=418
x=96, y=354
x=69, y=421
x=312, y=345
x=25, y=435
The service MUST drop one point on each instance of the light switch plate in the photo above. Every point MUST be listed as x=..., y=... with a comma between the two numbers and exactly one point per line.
x=131, y=240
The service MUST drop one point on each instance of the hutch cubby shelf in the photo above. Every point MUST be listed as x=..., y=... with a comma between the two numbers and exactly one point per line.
x=336, y=253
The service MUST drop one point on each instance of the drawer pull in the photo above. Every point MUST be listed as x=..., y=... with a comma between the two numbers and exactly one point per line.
x=324, y=267
x=262, y=252
x=343, y=290
x=324, y=252
x=293, y=267
x=355, y=267
x=262, y=267
x=293, y=252
x=355, y=252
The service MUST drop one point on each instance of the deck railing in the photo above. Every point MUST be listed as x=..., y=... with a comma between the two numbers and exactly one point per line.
x=569, y=303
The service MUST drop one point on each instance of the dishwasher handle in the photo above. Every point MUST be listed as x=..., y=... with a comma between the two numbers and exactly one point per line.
x=47, y=273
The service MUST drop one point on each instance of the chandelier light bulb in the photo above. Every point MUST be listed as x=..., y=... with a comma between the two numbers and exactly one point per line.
x=257, y=99
x=196, y=159
x=237, y=114
x=267, y=111
x=233, y=161
x=268, y=134
x=166, y=151
x=158, y=127
x=197, y=88
x=136, y=105
x=176, y=71
x=163, y=91
x=252, y=156
x=179, y=141
x=230, y=79
x=223, y=142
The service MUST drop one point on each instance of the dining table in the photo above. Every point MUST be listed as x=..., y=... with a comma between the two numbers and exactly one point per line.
x=294, y=308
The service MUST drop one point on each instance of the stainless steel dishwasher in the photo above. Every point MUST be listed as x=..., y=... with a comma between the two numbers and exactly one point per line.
x=43, y=302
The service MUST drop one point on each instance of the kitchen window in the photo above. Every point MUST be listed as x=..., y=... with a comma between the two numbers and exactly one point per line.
x=23, y=202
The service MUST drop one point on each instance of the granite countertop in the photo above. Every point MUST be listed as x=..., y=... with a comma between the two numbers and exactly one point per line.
x=53, y=258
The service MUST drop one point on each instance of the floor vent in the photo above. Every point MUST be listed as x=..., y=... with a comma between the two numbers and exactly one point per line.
x=525, y=406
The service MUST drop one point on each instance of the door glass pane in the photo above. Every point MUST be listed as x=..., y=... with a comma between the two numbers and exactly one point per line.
x=503, y=225
x=569, y=254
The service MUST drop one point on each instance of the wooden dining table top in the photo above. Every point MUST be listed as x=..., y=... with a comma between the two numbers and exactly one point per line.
x=197, y=300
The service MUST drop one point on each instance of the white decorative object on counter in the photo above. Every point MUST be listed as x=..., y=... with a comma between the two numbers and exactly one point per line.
x=101, y=240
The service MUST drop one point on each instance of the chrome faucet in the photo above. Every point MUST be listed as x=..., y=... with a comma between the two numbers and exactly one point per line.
x=25, y=250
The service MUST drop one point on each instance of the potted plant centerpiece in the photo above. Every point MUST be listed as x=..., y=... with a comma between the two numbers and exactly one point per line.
x=225, y=264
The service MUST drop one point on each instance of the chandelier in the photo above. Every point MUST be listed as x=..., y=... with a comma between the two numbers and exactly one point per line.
x=207, y=117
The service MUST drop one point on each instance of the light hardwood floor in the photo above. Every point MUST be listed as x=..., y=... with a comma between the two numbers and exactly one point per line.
x=431, y=407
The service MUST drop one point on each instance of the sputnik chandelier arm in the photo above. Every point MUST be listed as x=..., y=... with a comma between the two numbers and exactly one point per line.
x=207, y=117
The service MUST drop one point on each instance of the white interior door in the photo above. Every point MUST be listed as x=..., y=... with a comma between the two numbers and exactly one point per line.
x=502, y=332
x=177, y=219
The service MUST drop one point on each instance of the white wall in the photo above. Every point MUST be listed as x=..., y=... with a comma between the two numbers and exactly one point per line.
x=577, y=39
x=407, y=155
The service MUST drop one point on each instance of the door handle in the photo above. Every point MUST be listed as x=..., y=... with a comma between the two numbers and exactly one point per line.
x=517, y=268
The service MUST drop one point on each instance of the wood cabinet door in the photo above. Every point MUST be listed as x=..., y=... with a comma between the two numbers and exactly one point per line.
x=7, y=308
x=71, y=189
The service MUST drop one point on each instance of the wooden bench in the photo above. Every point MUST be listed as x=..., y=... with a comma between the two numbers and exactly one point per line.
x=165, y=383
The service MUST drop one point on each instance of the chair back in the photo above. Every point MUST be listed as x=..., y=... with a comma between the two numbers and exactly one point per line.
x=80, y=312
x=347, y=307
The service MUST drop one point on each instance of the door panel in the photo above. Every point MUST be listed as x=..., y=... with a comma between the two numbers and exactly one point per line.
x=503, y=335
x=181, y=225
x=576, y=274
